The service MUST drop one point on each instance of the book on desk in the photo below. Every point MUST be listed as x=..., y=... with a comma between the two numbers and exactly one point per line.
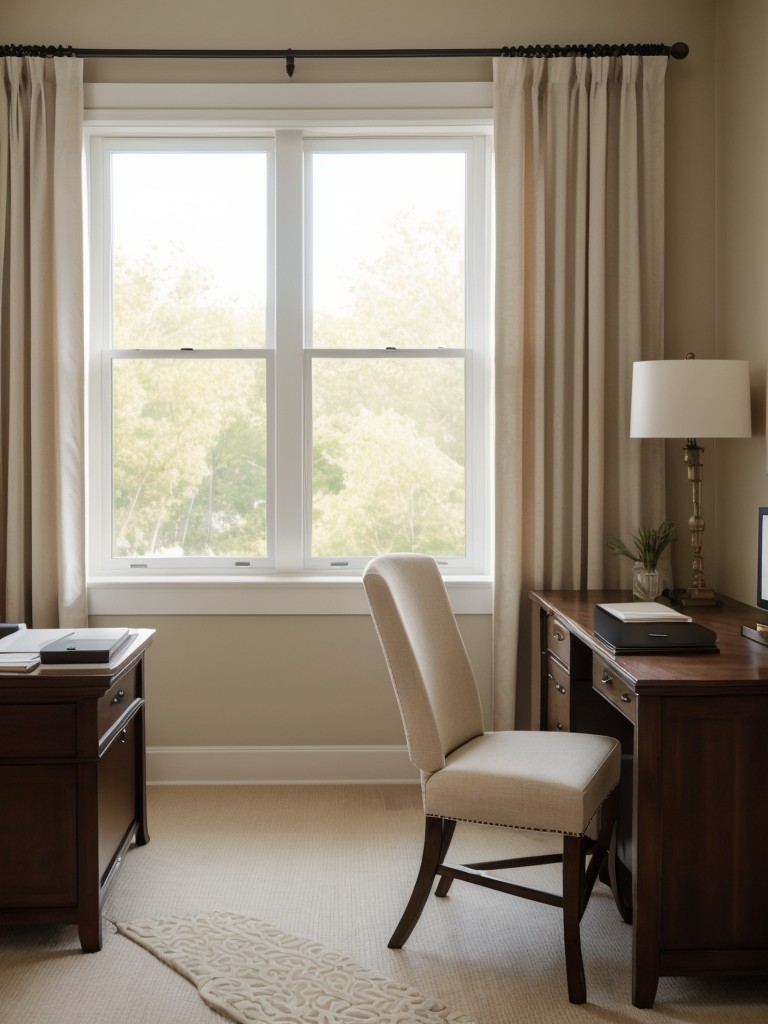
x=670, y=632
x=86, y=646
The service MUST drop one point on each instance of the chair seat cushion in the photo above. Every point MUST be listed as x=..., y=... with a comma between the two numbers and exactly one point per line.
x=551, y=782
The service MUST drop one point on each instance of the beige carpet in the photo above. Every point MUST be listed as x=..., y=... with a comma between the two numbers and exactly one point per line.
x=257, y=974
x=336, y=864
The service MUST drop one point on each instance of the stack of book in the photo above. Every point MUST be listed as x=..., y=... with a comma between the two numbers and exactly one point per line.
x=22, y=649
x=649, y=627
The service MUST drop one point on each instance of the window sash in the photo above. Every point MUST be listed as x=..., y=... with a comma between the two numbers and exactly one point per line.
x=475, y=148
x=342, y=561
x=239, y=565
x=381, y=147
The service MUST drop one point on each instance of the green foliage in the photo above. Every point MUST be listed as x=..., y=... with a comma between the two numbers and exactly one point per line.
x=388, y=456
x=650, y=543
x=189, y=463
x=411, y=297
x=165, y=302
x=190, y=436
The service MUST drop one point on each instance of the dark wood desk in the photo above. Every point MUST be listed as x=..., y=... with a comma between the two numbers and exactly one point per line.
x=694, y=828
x=72, y=787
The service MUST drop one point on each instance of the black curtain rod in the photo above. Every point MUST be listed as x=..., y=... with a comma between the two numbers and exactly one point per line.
x=677, y=50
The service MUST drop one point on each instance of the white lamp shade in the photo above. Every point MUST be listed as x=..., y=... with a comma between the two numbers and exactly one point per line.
x=690, y=398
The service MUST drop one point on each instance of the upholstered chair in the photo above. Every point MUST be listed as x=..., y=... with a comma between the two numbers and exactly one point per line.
x=561, y=783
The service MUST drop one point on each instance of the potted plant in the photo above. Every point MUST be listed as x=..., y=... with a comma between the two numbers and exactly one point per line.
x=649, y=544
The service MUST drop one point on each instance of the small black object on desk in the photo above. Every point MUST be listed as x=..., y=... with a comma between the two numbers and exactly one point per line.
x=759, y=633
x=83, y=650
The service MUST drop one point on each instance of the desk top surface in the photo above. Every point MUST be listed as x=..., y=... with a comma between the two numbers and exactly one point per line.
x=92, y=677
x=741, y=660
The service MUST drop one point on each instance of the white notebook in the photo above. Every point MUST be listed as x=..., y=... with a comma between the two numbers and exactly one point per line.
x=30, y=641
x=644, y=611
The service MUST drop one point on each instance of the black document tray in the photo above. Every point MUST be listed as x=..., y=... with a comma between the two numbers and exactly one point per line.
x=82, y=651
x=654, y=637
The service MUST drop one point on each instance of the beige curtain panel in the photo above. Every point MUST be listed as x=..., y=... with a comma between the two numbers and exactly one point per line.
x=42, y=493
x=579, y=297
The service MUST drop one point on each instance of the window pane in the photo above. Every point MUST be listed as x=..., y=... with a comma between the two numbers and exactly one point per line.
x=189, y=235
x=189, y=457
x=388, y=457
x=387, y=261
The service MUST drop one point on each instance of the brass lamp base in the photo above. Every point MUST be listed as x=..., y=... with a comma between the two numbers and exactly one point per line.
x=699, y=597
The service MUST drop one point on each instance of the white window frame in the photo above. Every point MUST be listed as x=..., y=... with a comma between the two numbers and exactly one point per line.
x=289, y=584
x=102, y=356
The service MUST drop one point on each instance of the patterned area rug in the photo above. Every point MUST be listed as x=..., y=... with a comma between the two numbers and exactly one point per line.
x=257, y=974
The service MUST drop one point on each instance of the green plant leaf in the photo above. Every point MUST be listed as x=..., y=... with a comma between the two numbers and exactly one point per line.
x=649, y=544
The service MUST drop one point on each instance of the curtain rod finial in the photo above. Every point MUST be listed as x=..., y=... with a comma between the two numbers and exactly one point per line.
x=679, y=51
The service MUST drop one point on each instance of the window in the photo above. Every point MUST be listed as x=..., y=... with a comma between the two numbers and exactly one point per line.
x=288, y=352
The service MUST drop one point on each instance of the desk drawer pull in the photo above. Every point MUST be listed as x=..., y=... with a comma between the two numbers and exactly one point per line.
x=118, y=697
x=558, y=635
x=614, y=688
x=560, y=688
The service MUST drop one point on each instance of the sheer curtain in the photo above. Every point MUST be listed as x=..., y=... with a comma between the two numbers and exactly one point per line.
x=42, y=503
x=580, y=264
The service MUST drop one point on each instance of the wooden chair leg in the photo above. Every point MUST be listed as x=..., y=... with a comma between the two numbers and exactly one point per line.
x=449, y=827
x=600, y=850
x=612, y=871
x=574, y=856
x=434, y=843
x=617, y=875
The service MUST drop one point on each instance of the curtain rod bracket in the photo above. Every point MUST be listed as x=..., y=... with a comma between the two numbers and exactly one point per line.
x=290, y=63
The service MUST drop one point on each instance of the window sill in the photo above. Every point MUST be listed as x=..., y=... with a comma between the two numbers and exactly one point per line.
x=280, y=595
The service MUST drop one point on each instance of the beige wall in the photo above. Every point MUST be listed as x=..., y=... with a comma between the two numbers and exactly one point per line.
x=320, y=680
x=331, y=24
x=742, y=276
x=277, y=680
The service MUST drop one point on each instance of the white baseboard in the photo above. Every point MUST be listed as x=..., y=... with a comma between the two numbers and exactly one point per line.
x=243, y=765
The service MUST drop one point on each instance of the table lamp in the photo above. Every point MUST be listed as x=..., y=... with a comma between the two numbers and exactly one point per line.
x=692, y=398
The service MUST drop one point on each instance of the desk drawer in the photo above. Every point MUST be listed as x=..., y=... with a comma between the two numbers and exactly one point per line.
x=38, y=730
x=116, y=701
x=558, y=640
x=117, y=792
x=558, y=697
x=609, y=684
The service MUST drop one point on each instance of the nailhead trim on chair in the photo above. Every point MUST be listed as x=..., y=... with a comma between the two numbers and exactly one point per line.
x=524, y=828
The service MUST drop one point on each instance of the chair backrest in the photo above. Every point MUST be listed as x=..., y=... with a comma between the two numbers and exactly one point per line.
x=428, y=664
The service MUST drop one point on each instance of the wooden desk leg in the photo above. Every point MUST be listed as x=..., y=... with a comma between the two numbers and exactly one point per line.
x=644, y=986
x=142, y=831
x=89, y=886
x=645, y=952
x=647, y=854
x=90, y=935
